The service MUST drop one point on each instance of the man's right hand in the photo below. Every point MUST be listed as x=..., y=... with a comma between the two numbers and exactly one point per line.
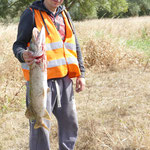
x=28, y=57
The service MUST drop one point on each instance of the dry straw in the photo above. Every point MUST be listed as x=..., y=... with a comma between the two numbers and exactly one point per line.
x=113, y=111
x=10, y=73
x=108, y=55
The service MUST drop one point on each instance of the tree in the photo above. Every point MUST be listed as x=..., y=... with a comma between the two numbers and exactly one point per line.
x=83, y=9
x=4, y=5
x=138, y=8
x=69, y=3
x=14, y=8
x=144, y=7
x=111, y=8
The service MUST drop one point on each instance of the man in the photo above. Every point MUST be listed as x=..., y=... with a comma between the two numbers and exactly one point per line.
x=59, y=29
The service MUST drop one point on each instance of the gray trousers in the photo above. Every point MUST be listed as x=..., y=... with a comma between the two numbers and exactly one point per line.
x=66, y=117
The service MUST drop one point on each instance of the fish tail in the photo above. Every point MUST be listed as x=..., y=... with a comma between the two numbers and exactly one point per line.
x=40, y=124
x=46, y=115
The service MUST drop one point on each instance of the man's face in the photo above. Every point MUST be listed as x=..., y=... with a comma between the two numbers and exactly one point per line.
x=53, y=3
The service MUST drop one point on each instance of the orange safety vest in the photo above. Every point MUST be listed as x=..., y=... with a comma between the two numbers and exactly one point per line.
x=61, y=55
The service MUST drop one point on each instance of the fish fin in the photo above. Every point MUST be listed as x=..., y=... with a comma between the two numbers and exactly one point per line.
x=39, y=125
x=29, y=113
x=48, y=89
x=43, y=93
x=46, y=115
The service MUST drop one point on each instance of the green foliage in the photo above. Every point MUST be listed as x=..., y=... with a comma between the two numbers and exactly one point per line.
x=19, y=6
x=84, y=9
x=144, y=7
x=4, y=4
x=134, y=9
x=80, y=9
x=13, y=8
x=140, y=44
x=123, y=8
x=76, y=13
x=138, y=8
x=111, y=8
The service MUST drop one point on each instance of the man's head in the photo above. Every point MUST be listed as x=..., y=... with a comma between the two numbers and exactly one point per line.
x=52, y=4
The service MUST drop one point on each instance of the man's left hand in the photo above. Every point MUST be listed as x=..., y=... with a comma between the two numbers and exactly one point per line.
x=80, y=84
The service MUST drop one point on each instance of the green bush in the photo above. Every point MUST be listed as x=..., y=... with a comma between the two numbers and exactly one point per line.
x=112, y=8
x=138, y=8
x=103, y=13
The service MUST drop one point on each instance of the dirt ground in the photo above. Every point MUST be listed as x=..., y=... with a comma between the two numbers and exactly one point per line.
x=113, y=112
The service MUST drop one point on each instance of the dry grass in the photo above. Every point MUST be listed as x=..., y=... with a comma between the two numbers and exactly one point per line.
x=104, y=42
x=11, y=84
x=109, y=55
x=113, y=111
x=116, y=28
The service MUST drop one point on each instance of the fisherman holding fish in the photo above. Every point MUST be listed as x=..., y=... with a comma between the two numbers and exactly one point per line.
x=50, y=55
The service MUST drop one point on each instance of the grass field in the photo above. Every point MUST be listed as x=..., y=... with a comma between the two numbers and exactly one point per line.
x=114, y=109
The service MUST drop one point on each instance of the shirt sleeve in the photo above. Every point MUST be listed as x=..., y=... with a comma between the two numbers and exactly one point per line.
x=79, y=53
x=24, y=35
x=79, y=57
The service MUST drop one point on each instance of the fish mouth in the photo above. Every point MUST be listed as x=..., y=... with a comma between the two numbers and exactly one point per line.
x=38, y=57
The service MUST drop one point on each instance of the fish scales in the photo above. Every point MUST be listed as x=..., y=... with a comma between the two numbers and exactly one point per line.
x=38, y=80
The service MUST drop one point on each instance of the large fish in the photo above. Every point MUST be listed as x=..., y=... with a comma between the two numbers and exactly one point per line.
x=38, y=80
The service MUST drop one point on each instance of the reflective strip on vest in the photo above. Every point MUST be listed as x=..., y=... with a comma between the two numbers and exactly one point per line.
x=50, y=64
x=70, y=46
x=53, y=46
x=72, y=60
x=57, y=45
x=55, y=63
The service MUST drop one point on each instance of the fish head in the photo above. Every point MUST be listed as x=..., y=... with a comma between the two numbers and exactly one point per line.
x=37, y=42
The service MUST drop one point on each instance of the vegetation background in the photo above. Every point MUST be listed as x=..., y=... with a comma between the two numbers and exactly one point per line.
x=114, y=110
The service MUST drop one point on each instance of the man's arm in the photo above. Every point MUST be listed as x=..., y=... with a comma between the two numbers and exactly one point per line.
x=79, y=57
x=78, y=49
x=24, y=35
x=80, y=81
